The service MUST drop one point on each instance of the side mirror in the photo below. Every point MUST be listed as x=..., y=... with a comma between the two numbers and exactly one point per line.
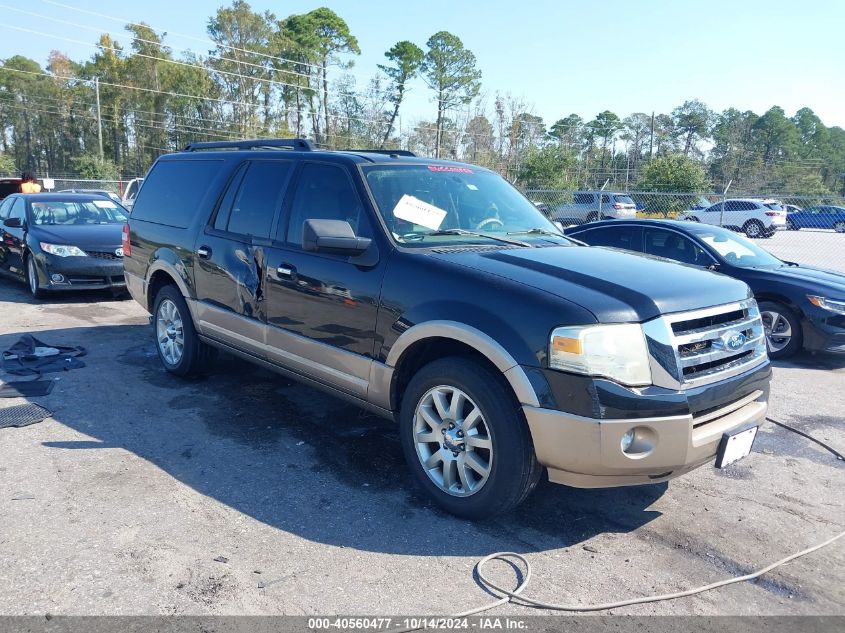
x=332, y=236
x=13, y=223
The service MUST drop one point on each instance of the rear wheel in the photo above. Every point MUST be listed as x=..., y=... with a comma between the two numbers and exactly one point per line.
x=839, y=227
x=179, y=348
x=693, y=219
x=782, y=328
x=592, y=217
x=465, y=439
x=32, y=280
x=753, y=229
x=790, y=226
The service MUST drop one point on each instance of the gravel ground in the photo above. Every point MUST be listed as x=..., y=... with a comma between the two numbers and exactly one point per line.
x=246, y=493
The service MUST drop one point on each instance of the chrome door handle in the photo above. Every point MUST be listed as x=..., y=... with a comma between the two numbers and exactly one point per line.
x=284, y=271
x=203, y=252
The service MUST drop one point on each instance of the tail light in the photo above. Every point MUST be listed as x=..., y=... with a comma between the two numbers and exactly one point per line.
x=773, y=214
x=618, y=206
x=125, y=243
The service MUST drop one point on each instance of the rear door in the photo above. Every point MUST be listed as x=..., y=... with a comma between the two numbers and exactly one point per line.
x=623, y=236
x=232, y=255
x=322, y=308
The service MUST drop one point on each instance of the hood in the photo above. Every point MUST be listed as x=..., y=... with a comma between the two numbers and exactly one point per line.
x=614, y=285
x=96, y=237
x=815, y=280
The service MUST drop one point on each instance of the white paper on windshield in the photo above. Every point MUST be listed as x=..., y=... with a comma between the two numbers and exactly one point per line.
x=104, y=204
x=416, y=211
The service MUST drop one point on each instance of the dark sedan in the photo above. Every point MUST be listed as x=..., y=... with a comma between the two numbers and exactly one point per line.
x=801, y=306
x=62, y=241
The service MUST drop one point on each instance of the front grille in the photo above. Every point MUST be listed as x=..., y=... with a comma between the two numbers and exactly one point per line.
x=103, y=255
x=704, y=346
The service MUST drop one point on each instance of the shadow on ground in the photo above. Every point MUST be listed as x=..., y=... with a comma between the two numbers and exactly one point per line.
x=297, y=459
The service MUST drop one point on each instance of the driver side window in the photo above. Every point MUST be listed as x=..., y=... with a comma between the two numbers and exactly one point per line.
x=18, y=209
x=674, y=246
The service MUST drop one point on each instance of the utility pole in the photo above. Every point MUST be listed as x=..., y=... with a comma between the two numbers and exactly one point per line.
x=651, y=139
x=99, y=118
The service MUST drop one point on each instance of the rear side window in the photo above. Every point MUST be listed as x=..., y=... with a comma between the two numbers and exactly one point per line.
x=774, y=206
x=259, y=197
x=623, y=199
x=625, y=237
x=173, y=191
x=583, y=198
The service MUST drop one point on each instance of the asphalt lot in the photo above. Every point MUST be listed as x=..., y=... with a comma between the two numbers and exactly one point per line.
x=824, y=249
x=123, y=499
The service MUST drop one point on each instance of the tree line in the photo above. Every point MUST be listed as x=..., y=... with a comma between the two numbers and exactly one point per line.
x=264, y=76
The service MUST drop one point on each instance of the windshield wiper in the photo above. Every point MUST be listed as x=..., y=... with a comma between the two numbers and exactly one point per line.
x=476, y=234
x=538, y=232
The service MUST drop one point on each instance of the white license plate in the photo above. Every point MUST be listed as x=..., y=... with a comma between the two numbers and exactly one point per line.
x=734, y=447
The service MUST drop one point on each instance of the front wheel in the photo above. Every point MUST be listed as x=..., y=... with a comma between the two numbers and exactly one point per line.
x=179, y=348
x=32, y=280
x=465, y=439
x=782, y=328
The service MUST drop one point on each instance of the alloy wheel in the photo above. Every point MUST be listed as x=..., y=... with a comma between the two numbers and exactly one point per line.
x=452, y=441
x=169, y=332
x=33, y=276
x=778, y=330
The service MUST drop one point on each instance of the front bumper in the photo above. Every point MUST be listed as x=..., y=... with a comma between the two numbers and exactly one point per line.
x=80, y=273
x=581, y=446
x=619, y=214
x=824, y=331
x=587, y=452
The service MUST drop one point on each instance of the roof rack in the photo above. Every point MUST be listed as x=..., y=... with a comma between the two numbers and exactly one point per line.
x=301, y=144
x=389, y=152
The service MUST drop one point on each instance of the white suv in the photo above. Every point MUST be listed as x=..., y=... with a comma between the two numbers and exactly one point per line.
x=755, y=218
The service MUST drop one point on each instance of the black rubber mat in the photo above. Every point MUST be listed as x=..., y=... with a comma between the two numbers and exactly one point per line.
x=26, y=388
x=22, y=415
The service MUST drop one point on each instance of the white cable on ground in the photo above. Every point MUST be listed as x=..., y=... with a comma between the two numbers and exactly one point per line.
x=516, y=597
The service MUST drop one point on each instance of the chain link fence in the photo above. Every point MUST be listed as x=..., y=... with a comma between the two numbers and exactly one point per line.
x=809, y=230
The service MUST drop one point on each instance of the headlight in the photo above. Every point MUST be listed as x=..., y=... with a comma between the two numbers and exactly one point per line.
x=62, y=250
x=827, y=304
x=618, y=352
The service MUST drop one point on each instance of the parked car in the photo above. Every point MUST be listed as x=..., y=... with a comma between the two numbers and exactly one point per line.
x=434, y=293
x=801, y=306
x=590, y=206
x=8, y=186
x=62, y=241
x=755, y=218
x=131, y=192
x=823, y=216
x=98, y=192
x=791, y=208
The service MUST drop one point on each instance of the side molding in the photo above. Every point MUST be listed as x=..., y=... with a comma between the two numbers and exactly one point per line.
x=476, y=339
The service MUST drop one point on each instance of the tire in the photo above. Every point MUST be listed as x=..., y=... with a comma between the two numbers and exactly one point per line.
x=693, y=219
x=753, y=229
x=791, y=227
x=32, y=281
x=179, y=348
x=785, y=320
x=839, y=227
x=508, y=468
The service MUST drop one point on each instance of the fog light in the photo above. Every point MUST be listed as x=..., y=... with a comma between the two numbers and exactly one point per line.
x=638, y=442
x=627, y=440
x=56, y=278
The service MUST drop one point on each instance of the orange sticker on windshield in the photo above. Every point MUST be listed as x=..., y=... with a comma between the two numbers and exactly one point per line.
x=452, y=168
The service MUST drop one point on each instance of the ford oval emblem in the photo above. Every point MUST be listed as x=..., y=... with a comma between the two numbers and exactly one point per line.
x=733, y=341
x=118, y=252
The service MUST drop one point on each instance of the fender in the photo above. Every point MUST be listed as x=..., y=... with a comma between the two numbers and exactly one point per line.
x=167, y=261
x=476, y=339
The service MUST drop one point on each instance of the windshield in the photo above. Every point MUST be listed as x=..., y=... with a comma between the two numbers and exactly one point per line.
x=65, y=212
x=737, y=251
x=623, y=199
x=426, y=205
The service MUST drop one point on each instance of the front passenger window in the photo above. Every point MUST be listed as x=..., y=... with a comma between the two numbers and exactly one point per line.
x=324, y=192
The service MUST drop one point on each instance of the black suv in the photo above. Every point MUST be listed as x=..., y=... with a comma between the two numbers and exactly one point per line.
x=434, y=293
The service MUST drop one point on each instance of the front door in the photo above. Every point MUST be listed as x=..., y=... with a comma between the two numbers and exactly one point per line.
x=321, y=309
x=231, y=255
x=14, y=238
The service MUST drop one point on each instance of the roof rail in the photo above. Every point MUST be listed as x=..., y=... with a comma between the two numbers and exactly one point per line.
x=301, y=144
x=394, y=152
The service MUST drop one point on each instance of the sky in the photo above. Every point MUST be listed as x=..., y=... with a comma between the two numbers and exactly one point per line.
x=561, y=56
